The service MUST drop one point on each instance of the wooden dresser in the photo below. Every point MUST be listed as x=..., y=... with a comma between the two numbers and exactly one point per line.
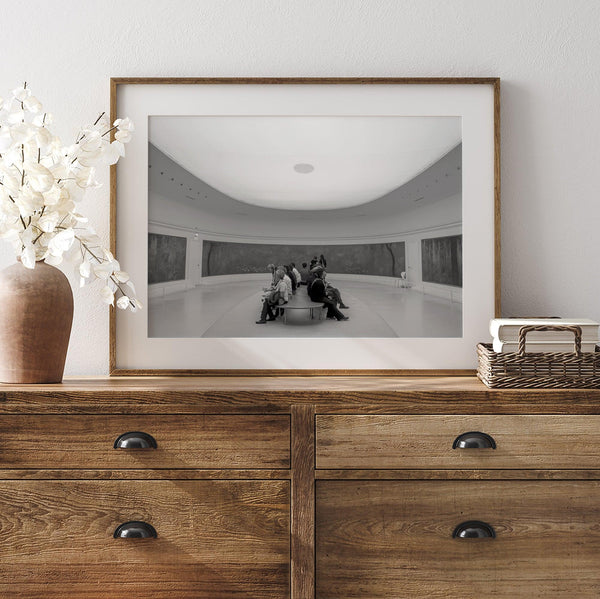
x=337, y=487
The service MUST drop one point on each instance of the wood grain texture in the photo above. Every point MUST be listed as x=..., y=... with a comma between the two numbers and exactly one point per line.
x=434, y=474
x=394, y=539
x=303, y=502
x=522, y=442
x=146, y=474
x=155, y=474
x=216, y=539
x=497, y=205
x=115, y=82
x=208, y=441
x=375, y=395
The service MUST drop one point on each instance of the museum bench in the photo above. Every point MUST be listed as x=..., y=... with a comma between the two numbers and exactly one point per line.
x=301, y=487
x=301, y=301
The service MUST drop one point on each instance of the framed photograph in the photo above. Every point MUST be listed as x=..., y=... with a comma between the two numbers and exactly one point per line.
x=307, y=226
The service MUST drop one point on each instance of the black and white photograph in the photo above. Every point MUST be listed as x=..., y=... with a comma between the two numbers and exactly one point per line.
x=305, y=226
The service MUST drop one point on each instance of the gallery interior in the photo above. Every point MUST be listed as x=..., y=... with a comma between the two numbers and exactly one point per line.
x=379, y=198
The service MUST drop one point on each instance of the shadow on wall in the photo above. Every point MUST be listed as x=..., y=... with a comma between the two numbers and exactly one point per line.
x=225, y=258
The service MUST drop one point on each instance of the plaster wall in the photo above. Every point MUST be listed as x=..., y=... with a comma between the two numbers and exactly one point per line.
x=547, y=53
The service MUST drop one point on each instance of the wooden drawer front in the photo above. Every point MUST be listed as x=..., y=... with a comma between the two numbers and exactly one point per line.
x=208, y=441
x=539, y=442
x=216, y=539
x=393, y=539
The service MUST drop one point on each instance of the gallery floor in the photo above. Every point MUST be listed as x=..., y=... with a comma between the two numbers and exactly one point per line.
x=375, y=310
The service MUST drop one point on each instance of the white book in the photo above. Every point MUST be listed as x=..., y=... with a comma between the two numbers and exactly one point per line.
x=541, y=347
x=507, y=329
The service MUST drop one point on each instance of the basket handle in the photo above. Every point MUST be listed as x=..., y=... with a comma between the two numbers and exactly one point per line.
x=550, y=327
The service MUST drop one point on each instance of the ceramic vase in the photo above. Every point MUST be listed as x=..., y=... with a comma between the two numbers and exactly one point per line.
x=36, y=313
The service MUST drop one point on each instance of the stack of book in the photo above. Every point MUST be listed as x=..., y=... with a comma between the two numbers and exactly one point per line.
x=505, y=333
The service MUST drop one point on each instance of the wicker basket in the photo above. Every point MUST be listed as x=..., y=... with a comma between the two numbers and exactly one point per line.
x=556, y=370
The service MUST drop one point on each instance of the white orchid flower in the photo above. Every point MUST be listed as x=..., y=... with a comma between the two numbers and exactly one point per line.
x=123, y=136
x=21, y=133
x=91, y=140
x=112, y=152
x=123, y=302
x=29, y=201
x=61, y=242
x=103, y=270
x=124, y=124
x=52, y=196
x=107, y=295
x=43, y=137
x=15, y=116
x=20, y=93
x=48, y=222
x=85, y=269
x=40, y=178
x=10, y=183
x=28, y=257
x=32, y=104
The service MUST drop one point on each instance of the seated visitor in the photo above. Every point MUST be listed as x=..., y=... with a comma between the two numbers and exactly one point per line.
x=271, y=269
x=310, y=278
x=297, y=274
x=304, y=273
x=317, y=293
x=292, y=279
x=276, y=296
x=333, y=293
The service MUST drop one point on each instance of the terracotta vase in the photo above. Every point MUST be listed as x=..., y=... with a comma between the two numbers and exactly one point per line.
x=36, y=313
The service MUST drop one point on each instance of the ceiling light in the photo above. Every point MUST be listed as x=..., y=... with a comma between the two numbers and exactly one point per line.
x=304, y=168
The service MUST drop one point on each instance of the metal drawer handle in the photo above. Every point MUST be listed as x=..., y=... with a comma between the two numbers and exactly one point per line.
x=474, y=440
x=474, y=529
x=135, y=530
x=135, y=440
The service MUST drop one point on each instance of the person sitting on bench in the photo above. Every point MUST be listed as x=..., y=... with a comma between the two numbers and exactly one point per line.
x=276, y=296
x=334, y=293
x=317, y=294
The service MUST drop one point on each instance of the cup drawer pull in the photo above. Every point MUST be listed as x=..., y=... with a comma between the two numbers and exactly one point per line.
x=474, y=440
x=474, y=529
x=135, y=440
x=135, y=530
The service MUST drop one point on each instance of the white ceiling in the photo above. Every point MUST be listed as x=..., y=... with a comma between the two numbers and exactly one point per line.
x=356, y=159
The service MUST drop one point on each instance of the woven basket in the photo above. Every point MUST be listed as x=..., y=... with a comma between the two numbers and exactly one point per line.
x=556, y=370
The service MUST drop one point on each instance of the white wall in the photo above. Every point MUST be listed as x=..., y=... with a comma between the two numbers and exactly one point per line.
x=547, y=53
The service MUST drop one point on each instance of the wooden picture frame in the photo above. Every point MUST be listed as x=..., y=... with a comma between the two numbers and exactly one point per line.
x=475, y=100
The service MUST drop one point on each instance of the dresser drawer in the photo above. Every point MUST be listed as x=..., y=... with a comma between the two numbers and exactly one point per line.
x=207, y=441
x=215, y=539
x=394, y=539
x=521, y=442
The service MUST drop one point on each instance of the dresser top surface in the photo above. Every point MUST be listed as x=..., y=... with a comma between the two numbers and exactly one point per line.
x=329, y=394
x=329, y=384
